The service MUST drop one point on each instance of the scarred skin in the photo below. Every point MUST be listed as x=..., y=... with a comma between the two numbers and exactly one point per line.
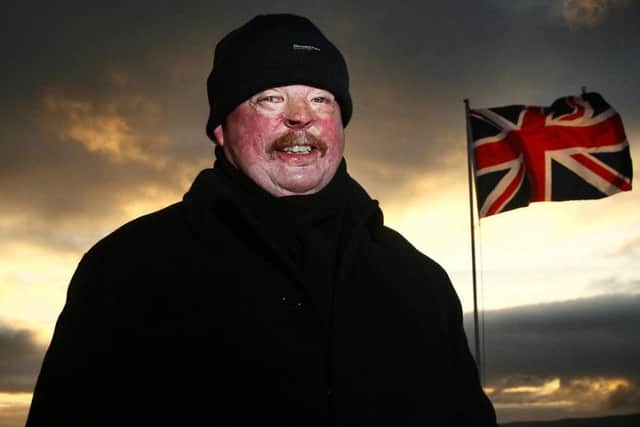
x=250, y=131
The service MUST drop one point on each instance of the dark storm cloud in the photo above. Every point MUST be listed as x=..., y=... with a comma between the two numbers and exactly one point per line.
x=20, y=359
x=52, y=184
x=76, y=157
x=411, y=66
x=584, y=337
x=93, y=53
x=558, y=359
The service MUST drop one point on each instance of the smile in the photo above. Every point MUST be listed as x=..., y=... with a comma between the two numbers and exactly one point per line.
x=300, y=143
x=297, y=149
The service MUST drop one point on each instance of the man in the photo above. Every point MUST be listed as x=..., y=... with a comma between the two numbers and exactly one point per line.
x=272, y=294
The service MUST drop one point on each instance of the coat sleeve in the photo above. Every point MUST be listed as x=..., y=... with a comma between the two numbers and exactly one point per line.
x=77, y=384
x=471, y=406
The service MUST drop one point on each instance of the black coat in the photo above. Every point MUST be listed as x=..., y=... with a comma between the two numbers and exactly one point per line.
x=189, y=316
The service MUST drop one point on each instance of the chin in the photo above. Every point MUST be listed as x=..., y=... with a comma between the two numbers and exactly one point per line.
x=300, y=190
x=302, y=186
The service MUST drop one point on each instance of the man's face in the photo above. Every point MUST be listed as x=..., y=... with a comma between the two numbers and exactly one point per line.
x=288, y=139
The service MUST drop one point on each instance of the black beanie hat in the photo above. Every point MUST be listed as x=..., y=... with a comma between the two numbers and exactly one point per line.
x=271, y=51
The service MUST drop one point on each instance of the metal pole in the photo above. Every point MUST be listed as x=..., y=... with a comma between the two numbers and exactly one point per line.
x=473, y=241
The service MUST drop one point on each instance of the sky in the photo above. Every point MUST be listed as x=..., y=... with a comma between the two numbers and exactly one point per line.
x=103, y=114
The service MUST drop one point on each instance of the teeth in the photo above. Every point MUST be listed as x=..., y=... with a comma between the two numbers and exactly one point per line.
x=298, y=149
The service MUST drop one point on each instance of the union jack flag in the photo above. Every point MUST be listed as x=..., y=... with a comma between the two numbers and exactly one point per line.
x=574, y=149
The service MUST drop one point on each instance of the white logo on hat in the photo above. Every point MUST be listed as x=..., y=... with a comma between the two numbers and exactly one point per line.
x=304, y=47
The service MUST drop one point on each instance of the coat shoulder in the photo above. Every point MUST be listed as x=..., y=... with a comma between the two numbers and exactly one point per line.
x=425, y=275
x=403, y=251
x=159, y=231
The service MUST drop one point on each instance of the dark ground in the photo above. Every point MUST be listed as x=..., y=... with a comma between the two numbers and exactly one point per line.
x=615, y=421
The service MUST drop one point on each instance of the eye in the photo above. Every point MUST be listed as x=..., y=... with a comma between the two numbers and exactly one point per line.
x=321, y=99
x=273, y=99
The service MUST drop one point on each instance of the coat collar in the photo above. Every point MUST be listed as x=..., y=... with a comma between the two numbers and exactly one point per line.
x=212, y=204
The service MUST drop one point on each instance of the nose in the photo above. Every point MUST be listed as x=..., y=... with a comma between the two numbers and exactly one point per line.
x=298, y=115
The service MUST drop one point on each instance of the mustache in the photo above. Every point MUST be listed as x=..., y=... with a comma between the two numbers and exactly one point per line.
x=291, y=139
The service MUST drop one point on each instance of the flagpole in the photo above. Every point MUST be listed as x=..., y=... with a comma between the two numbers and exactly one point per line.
x=473, y=242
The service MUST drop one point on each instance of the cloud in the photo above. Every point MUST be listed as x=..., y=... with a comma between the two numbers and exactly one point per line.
x=624, y=396
x=631, y=248
x=576, y=357
x=136, y=97
x=615, y=285
x=582, y=337
x=574, y=13
x=588, y=13
x=67, y=237
x=59, y=193
x=20, y=359
x=395, y=152
x=90, y=131
x=128, y=128
x=560, y=397
x=80, y=162
x=14, y=408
